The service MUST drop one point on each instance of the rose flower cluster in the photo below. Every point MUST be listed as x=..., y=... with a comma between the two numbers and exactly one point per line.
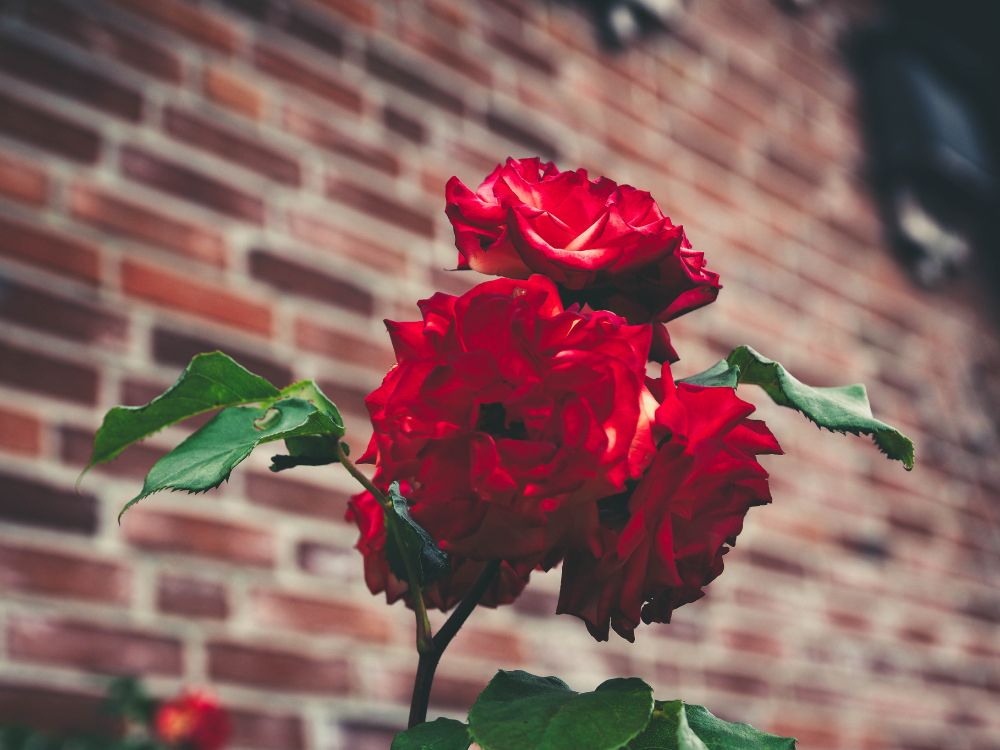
x=522, y=425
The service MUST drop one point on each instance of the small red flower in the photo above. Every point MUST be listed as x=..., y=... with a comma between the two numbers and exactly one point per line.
x=194, y=721
x=605, y=245
x=664, y=538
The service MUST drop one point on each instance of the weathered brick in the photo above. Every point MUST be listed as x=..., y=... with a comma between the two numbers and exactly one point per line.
x=521, y=53
x=319, y=616
x=284, y=67
x=342, y=346
x=273, y=669
x=48, y=250
x=236, y=147
x=234, y=91
x=20, y=432
x=92, y=647
x=403, y=124
x=404, y=76
x=117, y=215
x=266, y=731
x=58, y=315
x=188, y=184
x=48, y=131
x=54, y=709
x=22, y=181
x=98, y=35
x=297, y=121
x=283, y=493
x=76, y=445
x=188, y=20
x=39, y=571
x=379, y=205
x=525, y=135
x=191, y=597
x=358, y=11
x=176, y=348
x=178, y=292
x=51, y=72
x=28, y=502
x=297, y=278
x=329, y=235
x=47, y=374
x=177, y=533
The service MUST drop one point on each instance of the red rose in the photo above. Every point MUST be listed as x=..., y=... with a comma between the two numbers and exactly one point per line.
x=193, y=720
x=510, y=416
x=442, y=594
x=664, y=538
x=604, y=244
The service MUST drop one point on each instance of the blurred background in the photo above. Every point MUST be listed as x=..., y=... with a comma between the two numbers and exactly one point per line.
x=266, y=177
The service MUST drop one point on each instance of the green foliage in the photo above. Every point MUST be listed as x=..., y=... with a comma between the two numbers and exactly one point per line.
x=408, y=540
x=668, y=729
x=722, y=735
x=518, y=711
x=839, y=409
x=440, y=734
x=211, y=381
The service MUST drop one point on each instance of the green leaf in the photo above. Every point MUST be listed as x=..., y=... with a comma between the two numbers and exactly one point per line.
x=408, y=540
x=440, y=734
x=207, y=457
x=840, y=409
x=518, y=711
x=313, y=450
x=668, y=730
x=721, y=735
x=211, y=381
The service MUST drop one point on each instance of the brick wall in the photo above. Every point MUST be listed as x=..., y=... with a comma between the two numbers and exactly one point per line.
x=267, y=177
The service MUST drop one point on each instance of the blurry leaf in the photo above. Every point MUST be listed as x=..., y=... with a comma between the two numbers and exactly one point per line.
x=440, y=734
x=722, y=735
x=668, y=730
x=406, y=539
x=127, y=698
x=518, y=711
x=211, y=381
x=839, y=409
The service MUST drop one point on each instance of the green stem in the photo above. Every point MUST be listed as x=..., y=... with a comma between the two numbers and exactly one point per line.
x=429, y=659
x=424, y=638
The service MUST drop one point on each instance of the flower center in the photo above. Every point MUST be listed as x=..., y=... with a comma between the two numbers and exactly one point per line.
x=493, y=421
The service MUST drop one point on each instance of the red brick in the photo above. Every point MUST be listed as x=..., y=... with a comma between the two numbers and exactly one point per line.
x=443, y=49
x=236, y=147
x=97, y=35
x=266, y=731
x=283, y=493
x=60, y=316
x=298, y=278
x=327, y=235
x=364, y=736
x=191, y=597
x=47, y=374
x=401, y=123
x=92, y=647
x=503, y=647
x=179, y=292
x=48, y=250
x=380, y=206
x=320, y=616
x=54, y=709
x=28, y=502
x=319, y=132
x=193, y=22
x=524, y=134
x=403, y=75
x=284, y=67
x=38, y=571
x=359, y=11
x=22, y=181
x=48, y=131
x=20, y=432
x=76, y=445
x=273, y=669
x=233, y=91
x=191, y=185
x=42, y=69
x=341, y=346
x=522, y=54
x=177, y=349
x=120, y=216
x=162, y=531
x=310, y=27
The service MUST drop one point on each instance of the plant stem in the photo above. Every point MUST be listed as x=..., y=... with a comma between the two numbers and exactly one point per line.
x=429, y=658
x=424, y=642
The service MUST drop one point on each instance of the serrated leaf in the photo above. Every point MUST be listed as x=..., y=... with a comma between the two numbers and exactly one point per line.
x=839, y=409
x=411, y=541
x=210, y=381
x=518, y=711
x=206, y=458
x=440, y=734
x=723, y=735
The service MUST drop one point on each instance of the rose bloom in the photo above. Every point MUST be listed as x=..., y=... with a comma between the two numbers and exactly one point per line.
x=509, y=416
x=664, y=537
x=604, y=244
x=193, y=720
